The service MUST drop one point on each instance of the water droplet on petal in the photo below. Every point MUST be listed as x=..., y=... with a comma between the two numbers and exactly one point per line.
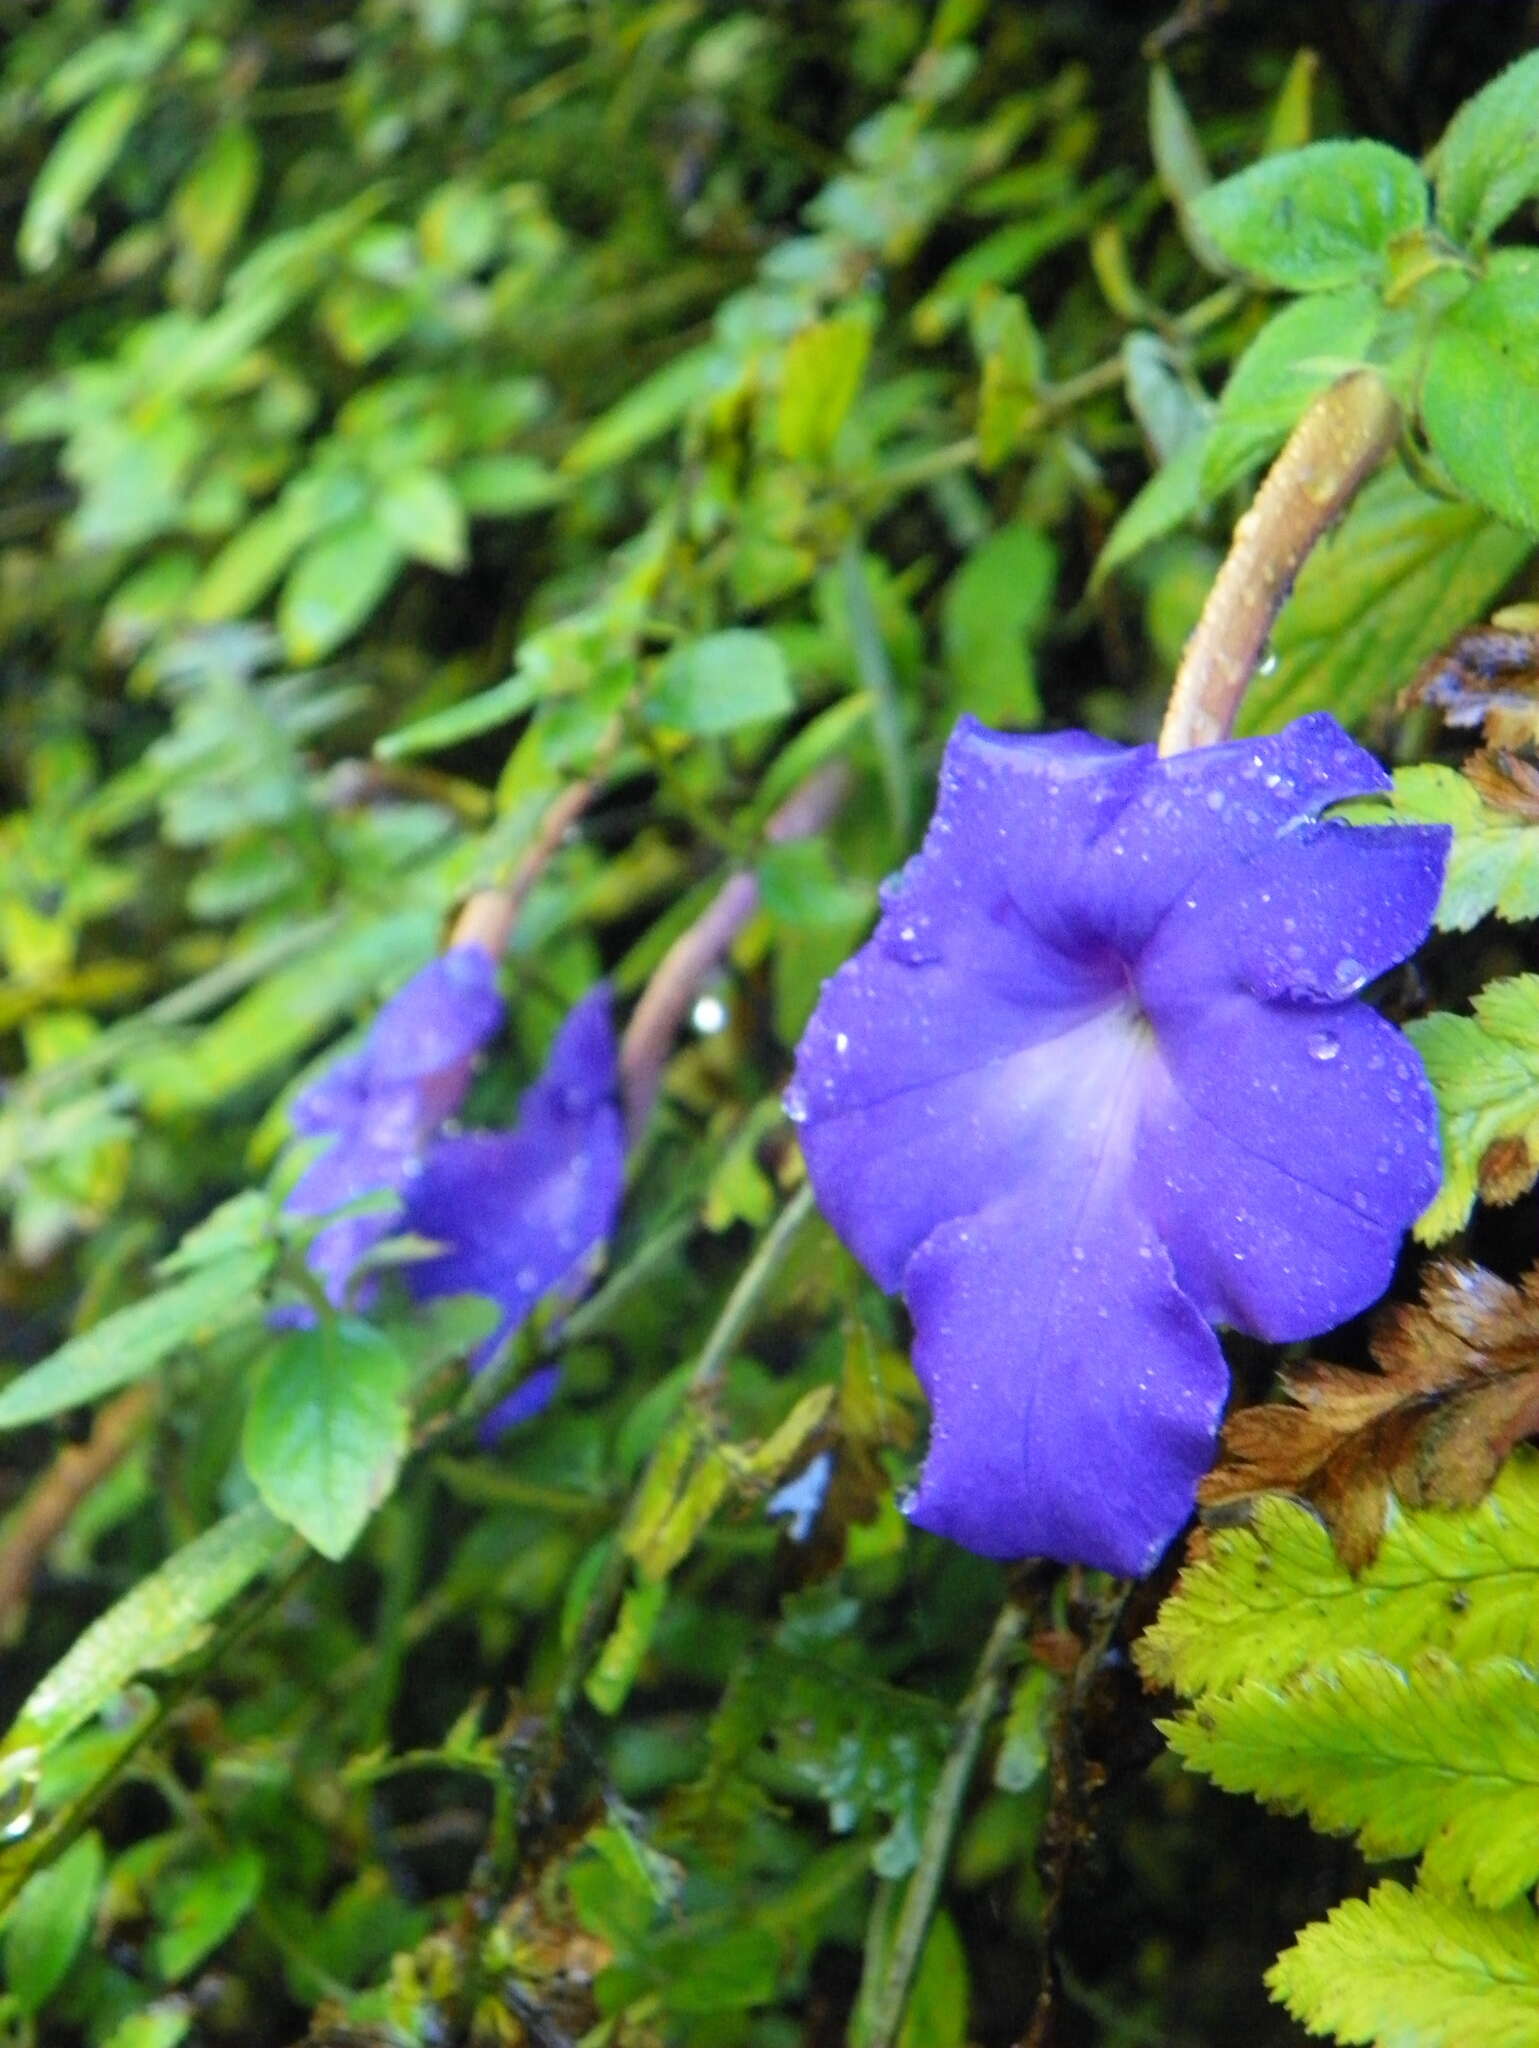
x=1350, y=974
x=1322, y=1045
x=1215, y=799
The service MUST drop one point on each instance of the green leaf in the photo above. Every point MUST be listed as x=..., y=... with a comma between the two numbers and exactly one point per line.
x=48, y=1923
x=422, y=515
x=129, y=1344
x=83, y=155
x=993, y=606
x=210, y=204
x=250, y=563
x=1494, y=862
x=334, y=586
x=162, y=1620
x=286, y=1012
x=200, y=1907
x=728, y=679
x=1171, y=495
x=1272, y=1598
x=1300, y=351
x=1487, y=163
x=1415, y=1970
x=648, y=409
x=618, y=1664
x=327, y=1429
x=1401, y=574
x=501, y=486
x=164, y=2024
x=937, y=2011
x=1480, y=390
x=1440, y=1757
x=1317, y=218
x=801, y=886
x=871, y=1752
x=824, y=365
x=1484, y=1071
x=481, y=713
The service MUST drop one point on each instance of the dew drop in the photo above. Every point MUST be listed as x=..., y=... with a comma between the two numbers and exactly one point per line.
x=1214, y=799
x=794, y=1103
x=1267, y=665
x=1322, y=1045
x=1350, y=973
x=841, y=1041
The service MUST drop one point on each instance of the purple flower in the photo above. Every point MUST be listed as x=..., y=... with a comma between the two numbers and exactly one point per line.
x=1098, y=1081
x=382, y=1105
x=519, y=1214
x=522, y=1213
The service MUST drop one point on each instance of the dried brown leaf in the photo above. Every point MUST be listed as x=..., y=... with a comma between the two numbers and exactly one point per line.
x=1487, y=677
x=1458, y=1386
x=1506, y=782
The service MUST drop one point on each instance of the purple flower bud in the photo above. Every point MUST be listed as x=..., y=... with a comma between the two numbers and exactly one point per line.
x=1099, y=1080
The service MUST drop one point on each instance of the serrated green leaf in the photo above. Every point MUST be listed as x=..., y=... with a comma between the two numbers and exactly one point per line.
x=1480, y=389
x=1487, y=163
x=1484, y=1071
x=164, y=1619
x=993, y=606
x=83, y=155
x=1493, y=865
x=47, y=1925
x=335, y=584
x=1397, y=579
x=1300, y=351
x=1317, y=218
x=327, y=1429
x=129, y=1344
x=1272, y=1598
x=1415, y=1970
x=1441, y=1757
x=728, y=679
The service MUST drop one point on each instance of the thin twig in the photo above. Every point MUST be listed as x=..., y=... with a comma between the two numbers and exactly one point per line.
x=51, y=1505
x=945, y=1812
x=1340, y=441
x=670, y=994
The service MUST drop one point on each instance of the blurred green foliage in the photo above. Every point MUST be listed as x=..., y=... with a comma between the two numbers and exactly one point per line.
x=411, y=408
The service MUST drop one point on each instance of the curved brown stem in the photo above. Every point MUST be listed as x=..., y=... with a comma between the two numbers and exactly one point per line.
x=1337, y=445
x=669, y=995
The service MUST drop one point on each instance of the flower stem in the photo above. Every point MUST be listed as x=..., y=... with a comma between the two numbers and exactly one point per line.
x=1340, y=441
x=695, y=953
x=885, y=2012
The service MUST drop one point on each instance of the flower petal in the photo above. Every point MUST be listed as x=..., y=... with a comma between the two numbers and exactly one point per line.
x=1211, y=807
x=1076, y=1389
x=522, y=1211
x=1322, y=912
x=919, y=1053
x=442, y=1017
x=1284, y=1157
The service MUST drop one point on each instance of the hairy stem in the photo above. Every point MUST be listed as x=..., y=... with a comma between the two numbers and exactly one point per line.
x=1337, y=445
